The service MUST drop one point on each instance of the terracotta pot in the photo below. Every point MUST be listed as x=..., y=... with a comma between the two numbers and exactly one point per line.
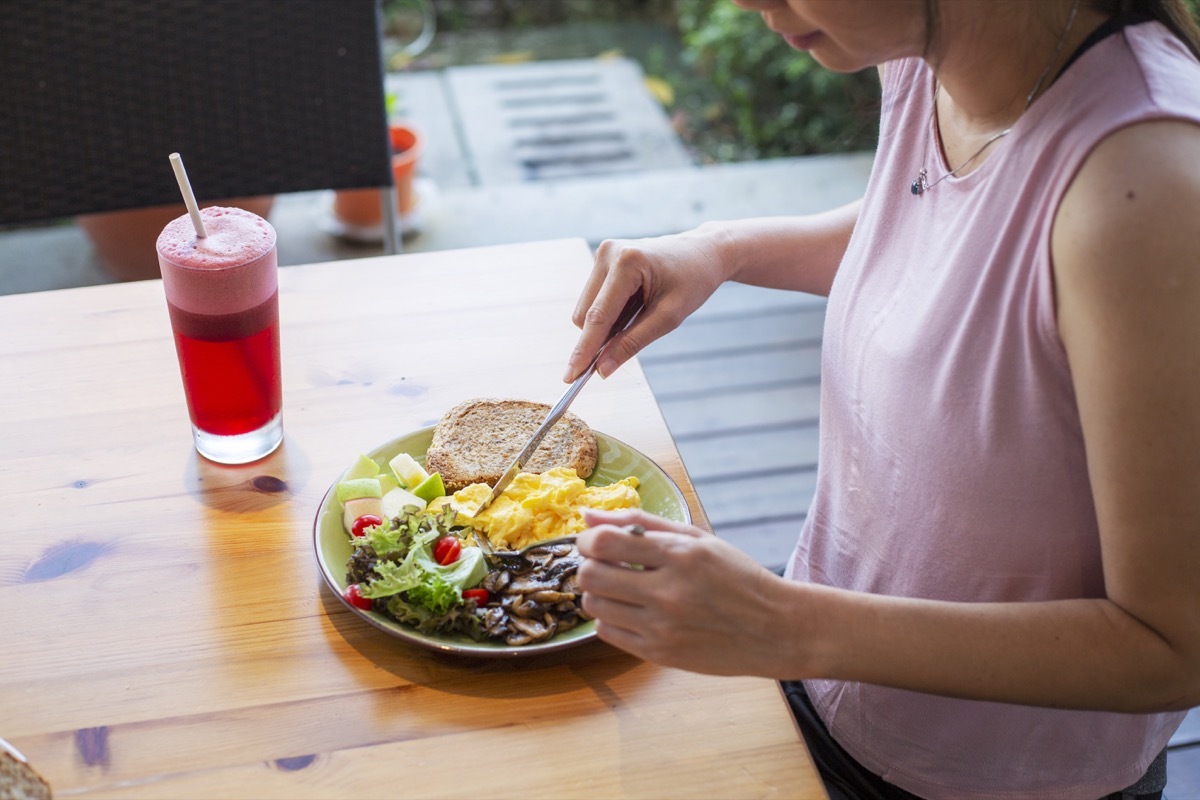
x=125, y=240
x=363, y=208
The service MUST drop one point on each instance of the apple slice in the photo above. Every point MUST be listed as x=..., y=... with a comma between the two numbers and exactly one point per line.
x=407, y=469
x=386, y=482
x=364, y=467
x=395, y=501
x=358, y=487
x=430, y=488
x=358, y=506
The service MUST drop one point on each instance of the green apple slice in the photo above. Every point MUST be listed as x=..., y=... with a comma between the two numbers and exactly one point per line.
x=358, y=487
x=364, y=467
x=408, y=470
x=395, y=501
x=386, y=483
x=430, y=488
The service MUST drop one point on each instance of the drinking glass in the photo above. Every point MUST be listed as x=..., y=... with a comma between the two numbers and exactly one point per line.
x=222, y=295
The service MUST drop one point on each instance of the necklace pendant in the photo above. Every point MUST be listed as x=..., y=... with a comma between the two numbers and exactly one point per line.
x=921, y=183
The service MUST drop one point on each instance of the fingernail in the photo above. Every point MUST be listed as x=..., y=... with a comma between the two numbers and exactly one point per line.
x=605, y=368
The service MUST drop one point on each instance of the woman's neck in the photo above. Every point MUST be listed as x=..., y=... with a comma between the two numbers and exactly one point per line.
x=996, y=53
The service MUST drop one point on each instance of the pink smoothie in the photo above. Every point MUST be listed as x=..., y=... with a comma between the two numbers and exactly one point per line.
x=224, y=308
x=231, y=269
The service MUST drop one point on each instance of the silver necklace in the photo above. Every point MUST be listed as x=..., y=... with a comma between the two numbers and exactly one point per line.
x=922, y=184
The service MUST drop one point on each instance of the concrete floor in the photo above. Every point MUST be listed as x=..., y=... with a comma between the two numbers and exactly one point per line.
x=595, y=208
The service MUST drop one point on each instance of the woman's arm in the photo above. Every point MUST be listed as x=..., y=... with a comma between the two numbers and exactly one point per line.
x=798, y=253
x=1127, y=267
x=1126, y=249
x=676, y=274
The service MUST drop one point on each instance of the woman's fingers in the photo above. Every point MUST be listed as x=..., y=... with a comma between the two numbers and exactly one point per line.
x=609, y=537
x=623, y=344
x=672, y=594
x=597, y=317
x=592, y=287
x=625, y=517
x=621, y=552
x=613, y=610
x=674, y=274
x=626, y=639
x=612, y=545
x=598, y=322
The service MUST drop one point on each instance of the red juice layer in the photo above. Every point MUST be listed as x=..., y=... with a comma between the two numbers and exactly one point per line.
x=230, y=367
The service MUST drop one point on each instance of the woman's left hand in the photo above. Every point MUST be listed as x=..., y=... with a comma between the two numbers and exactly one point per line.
x=693, y=601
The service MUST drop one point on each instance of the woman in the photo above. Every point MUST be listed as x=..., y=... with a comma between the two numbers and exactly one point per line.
x=994, y=593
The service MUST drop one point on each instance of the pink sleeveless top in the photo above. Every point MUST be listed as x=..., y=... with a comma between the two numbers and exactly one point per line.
x=951, y=455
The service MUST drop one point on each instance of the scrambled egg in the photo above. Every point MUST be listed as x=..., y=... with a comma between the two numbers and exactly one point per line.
x=537, y=507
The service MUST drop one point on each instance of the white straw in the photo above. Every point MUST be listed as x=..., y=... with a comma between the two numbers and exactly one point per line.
x=185, y=187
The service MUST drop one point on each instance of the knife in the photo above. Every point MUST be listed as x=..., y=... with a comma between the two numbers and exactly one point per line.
x=626, y=317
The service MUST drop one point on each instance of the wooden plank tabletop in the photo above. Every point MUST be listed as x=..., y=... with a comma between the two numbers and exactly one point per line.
x=165, y=629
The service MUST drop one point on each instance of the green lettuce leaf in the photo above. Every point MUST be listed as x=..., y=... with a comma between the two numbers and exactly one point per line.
x=427, y=582
x=394, y=578
x=389, y=539
x=435, y=594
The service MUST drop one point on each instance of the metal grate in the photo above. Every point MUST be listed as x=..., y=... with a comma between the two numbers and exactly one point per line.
x=560, y=119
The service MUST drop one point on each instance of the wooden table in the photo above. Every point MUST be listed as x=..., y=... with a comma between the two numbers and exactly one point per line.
x=163, y=628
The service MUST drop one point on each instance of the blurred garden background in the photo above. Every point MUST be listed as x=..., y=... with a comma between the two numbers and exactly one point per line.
x=734, y=90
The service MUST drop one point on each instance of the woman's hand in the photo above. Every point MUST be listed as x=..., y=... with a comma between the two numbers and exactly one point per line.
x=675, y=275
x=693, y=602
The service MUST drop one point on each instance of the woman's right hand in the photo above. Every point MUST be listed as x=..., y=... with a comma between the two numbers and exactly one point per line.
x=675, y=275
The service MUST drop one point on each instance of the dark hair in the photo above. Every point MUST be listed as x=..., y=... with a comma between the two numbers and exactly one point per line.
x=1174, y=14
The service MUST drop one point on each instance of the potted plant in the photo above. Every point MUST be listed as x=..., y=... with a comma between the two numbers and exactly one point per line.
x=359, y=212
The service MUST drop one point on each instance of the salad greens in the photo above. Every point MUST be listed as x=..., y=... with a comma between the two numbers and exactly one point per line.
x=395, y=561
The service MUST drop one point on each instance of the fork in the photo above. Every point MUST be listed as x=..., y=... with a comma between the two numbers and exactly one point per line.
x=509, y=557
x=503, y=558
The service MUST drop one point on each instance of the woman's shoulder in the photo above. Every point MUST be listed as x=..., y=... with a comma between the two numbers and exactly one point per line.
x=1143, y=71
x=1114, y=115
x=1167, y=68
x=1139, y=159
x=1128, y=217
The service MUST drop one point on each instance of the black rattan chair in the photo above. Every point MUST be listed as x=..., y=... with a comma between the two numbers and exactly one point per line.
x=260, y=97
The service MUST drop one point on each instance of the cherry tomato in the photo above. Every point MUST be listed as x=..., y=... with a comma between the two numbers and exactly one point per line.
x=480, y=596
x=359, y=528
x=446, y=550
x=357, y=600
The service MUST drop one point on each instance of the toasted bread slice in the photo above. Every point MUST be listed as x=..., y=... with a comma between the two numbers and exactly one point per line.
x=18, y=780
x=475, y=441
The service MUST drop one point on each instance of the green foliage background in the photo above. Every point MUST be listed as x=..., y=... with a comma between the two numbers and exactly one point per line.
x=773, y=100
x=734, y=89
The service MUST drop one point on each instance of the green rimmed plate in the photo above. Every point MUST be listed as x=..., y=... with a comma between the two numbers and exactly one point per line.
x=659, y=495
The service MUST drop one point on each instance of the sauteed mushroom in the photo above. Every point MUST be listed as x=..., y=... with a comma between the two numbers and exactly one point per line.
x=535, y=599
